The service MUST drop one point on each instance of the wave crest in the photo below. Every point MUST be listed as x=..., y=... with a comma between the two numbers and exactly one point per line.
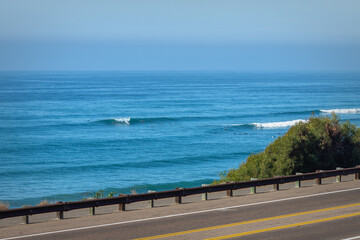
x=123, y=120
x=131, y=121
x=266, y=125
x=343, y=111
x=278, y=124
x=116, y=121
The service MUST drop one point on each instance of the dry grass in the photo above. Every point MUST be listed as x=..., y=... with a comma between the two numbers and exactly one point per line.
x=4, y=206
x=44, y=202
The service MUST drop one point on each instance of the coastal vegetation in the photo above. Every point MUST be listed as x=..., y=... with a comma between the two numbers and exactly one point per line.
x=45, y=202
x=319, y=143
x=4, y=206
x=100, y=194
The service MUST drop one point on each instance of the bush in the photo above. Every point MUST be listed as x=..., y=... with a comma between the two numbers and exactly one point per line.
x=100, y=194
x=4, y=206
x=320, y=143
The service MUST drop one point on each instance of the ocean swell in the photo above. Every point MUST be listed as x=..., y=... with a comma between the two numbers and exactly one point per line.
x=342, y=111
x=122, y=120
x=266, y=125
x=278, y=124
x=131, y=121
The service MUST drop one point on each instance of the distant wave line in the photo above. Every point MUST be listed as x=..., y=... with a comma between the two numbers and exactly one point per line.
x=154, y=120
x=342, y=111
x=131, y=120
x=278, y=124
x=283, y=124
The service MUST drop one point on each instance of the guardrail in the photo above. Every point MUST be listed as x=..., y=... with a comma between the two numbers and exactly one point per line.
x=62, y=207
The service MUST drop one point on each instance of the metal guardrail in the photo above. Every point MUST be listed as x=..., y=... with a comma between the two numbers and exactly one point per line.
x=177, y=193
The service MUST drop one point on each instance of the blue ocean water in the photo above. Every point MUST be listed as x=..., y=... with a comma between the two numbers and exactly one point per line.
x=64, y=135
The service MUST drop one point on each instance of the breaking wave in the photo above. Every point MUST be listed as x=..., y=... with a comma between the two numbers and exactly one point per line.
x=278, y=124
x=130, y=121
x=342, y=111
x=266, y=125
x=122, y=120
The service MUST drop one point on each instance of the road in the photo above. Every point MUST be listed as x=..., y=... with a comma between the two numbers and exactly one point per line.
x=329, y=211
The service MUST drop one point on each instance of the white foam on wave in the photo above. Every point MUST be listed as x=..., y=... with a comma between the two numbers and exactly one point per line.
x=343, y=111
x=278, y=124
x=123, y=120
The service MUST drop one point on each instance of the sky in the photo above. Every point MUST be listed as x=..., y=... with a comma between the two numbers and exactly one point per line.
x=237, y=35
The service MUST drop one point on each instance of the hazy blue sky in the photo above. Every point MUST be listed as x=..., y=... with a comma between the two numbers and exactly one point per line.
x=180, y=35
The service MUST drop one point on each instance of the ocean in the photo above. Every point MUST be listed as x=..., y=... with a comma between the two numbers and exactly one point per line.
x=65, y=135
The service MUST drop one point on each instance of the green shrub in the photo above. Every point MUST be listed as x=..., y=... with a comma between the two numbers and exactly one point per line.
x=100, y=194
x=320, y=143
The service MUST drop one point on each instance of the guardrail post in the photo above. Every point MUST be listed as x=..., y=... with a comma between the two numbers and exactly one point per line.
x=318, y=180
x=229, y=193
x=338, y=177
x=253, y=189
x=60, y=215
x=298, y=183
x=204, y=196
x=151, y=202
x=122, y=205
x=178, y=199
x=276, y=185
x=25, y=219
x=357, y=175
x=92, y=211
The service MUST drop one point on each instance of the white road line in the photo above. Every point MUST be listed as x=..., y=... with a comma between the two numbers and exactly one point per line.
x=181, y=214
x=352, y=238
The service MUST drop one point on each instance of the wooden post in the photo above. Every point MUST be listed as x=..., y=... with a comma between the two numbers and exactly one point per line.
x=122, y=205
x=338, y=177
x=178, y=199
x=298, y=183
x=276, y=186
x=25, y=219
x=357, y=175
x=60, y=215
x=204, y=196
x=151, y=201
x=253, y=189
x=229, y=193
x=92, y=211
x=318, y=180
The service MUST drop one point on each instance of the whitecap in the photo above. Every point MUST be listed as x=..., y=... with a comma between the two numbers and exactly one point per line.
x=343, y=111
x=123, y=120
x=278, y=124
